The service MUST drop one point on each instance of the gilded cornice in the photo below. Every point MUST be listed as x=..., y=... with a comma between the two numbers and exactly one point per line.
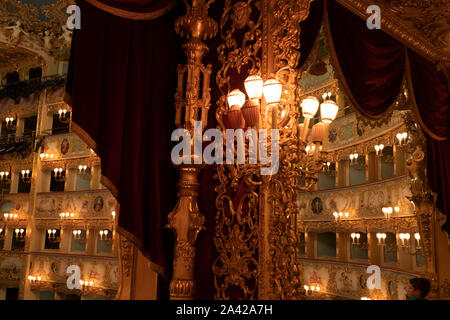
x=397, y=224
x=393, y=24
x=19, y=110
x=68, y=163
x=54, y=107
x=16, y=164
x=97, y=224
x=366, y=146
x=350, y=280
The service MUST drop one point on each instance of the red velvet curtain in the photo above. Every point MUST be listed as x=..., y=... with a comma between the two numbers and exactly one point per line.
x=121, y=82
x=431, y=93
x=372, y=66
x=371, y=62
x=309, y=29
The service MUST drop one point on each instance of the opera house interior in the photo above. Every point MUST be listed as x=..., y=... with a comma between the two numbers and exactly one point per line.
x=224, y=149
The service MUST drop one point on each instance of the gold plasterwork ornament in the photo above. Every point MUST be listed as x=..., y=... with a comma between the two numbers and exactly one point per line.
x=256, y=240
x=422, y=196
x=192, y=102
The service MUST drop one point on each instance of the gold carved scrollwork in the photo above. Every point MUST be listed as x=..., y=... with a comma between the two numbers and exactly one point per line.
x=422, y=196
x=263, y=225
x=295, y=166
x=236, y=236
x=236, y=240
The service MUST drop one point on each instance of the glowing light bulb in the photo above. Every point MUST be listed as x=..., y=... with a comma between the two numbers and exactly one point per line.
x=272, y=91
x=328, y=111
x=309, y=106
x=236, y=98
x=254, y=86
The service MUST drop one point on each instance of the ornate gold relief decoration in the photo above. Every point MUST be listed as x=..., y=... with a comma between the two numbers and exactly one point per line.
x=127, y=259
x=422, y=196
x=236, y=240
x=192, y=102
x=295, y=166
x=273, y=197
x=236, y=269
x=421, y=25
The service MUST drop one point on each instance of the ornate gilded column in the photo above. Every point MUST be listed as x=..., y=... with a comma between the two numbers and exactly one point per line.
x=191, y=103
x=256, y=238
x=422, y=197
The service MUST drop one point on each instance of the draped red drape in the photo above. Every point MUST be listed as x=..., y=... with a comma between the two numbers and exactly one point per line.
x=309, y=29
x=431, y=95
x=121, y=82
x=372, y=66
x=371, y=62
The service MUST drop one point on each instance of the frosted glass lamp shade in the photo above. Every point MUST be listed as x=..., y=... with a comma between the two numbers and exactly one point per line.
x=254, y=87
x=328, y=111
x=236, y=98
x=272, y=91
x=310, y=106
